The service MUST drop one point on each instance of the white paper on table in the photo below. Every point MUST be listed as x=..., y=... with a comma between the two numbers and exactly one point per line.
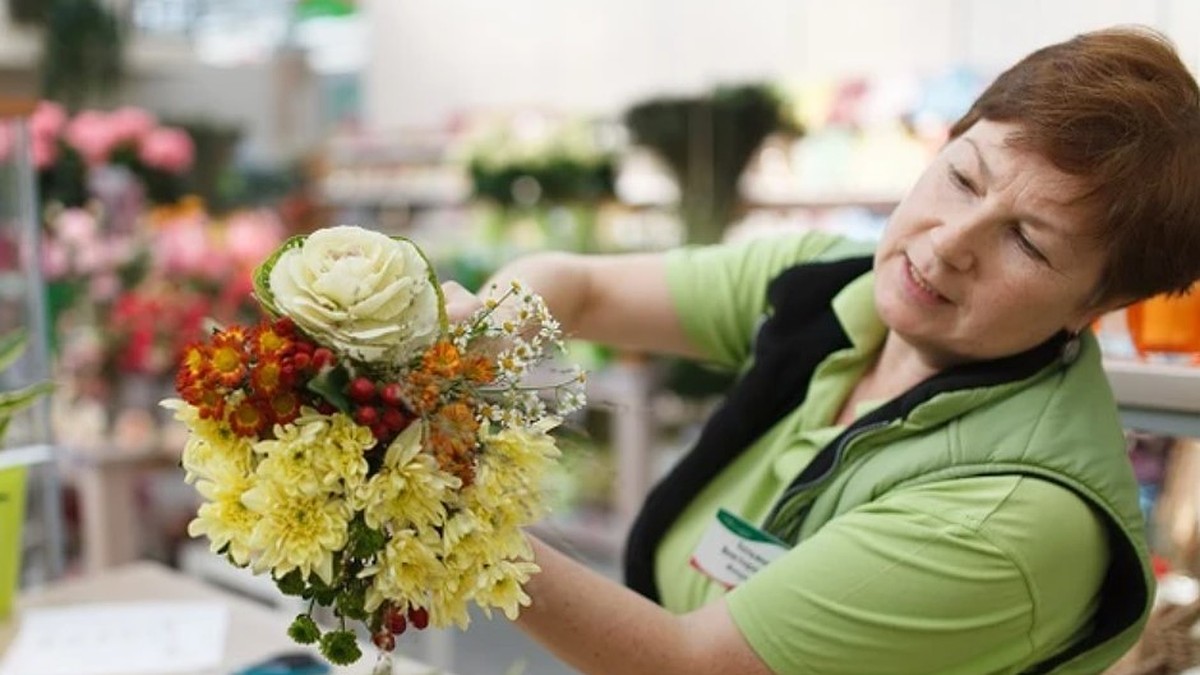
x=134, y=638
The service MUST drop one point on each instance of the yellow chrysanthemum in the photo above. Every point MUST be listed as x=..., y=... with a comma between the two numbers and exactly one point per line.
x=447, y=602
x=514, y=463
x=295, y=530
x=409, y=488
x=212, y=450
x=500, y=587
x=224, y=519
x=506, y=495
x=404, y=570
x=317, y=453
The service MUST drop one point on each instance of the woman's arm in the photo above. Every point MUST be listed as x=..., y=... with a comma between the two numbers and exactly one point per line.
x=598, y=626
x=617, y=300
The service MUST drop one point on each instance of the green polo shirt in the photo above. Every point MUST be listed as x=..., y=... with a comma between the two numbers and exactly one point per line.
x=975, y=575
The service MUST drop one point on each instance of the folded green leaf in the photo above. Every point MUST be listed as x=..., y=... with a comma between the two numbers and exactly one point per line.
x=262, y=274
x=12, y=401
x=11, y=346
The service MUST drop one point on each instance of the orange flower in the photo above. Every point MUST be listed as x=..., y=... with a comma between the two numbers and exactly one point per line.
x=267, y=377
x=267, y=340
x=194, y=361
x=452, y=434
x=227, y=360
x=284, y=406
x=209, y=401
x=247, y=419
x=479, y=369
x=422, y=391
x=442, y=360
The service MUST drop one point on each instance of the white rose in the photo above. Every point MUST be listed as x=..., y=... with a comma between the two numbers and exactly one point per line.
x=358, y=292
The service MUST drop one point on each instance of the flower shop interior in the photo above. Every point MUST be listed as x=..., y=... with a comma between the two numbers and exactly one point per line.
x=154, y=152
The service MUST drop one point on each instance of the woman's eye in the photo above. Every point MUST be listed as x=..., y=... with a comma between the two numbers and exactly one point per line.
x=1027, y=246
x=961, y=181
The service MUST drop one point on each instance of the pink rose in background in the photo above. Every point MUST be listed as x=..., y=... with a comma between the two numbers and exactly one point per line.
x=45, y=125
x=168, y=149
x=56, y=260
x=250, y=236
x=45, y=151
x=183, y=249
x=91, y=134
x=130, y=125
x=76, y=227
x=48, y=120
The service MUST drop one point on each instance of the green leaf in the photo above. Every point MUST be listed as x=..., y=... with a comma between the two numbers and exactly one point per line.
x=331, y=386
x=12, y=401
x=262, y=274
x=443, y=318
x=304, y=630
x=11, y=347
x=365, y=542
x=350, y=603
x=292, y=583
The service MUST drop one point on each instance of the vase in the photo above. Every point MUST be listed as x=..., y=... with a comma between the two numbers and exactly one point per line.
x=12, y=517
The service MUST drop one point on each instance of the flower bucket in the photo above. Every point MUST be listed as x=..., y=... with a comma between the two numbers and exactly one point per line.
x=12, y=515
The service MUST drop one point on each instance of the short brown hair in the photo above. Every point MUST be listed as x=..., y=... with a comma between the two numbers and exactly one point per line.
x=1119, y=109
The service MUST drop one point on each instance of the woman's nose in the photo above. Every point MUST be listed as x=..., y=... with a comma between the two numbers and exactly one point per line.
x=954, y=244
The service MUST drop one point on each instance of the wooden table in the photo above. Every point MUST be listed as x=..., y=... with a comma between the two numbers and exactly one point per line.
x=255, y=633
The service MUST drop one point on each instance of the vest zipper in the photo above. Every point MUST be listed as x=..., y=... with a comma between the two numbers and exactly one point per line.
x=799, y=488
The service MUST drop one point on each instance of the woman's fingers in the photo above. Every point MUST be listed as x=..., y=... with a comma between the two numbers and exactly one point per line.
x=460, y=303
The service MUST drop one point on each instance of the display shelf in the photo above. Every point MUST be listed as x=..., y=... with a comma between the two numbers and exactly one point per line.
x=1162, y=398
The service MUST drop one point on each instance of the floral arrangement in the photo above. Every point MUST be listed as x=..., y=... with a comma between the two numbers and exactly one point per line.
x=367, y=453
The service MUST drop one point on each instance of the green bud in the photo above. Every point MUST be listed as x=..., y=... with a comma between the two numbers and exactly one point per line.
x=304, y=630
x=340, y=647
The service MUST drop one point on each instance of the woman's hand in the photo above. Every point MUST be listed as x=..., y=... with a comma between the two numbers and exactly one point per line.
x=460, y=303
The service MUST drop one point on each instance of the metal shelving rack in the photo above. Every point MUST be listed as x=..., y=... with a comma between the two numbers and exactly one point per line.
x=23, y=304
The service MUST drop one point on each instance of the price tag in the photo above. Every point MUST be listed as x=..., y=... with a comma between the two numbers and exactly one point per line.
x=732, y=550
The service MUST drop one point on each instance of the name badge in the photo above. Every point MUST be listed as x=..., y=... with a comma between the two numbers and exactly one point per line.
x=732, y=550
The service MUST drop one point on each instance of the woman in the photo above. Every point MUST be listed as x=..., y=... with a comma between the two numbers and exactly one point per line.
x=927, y=432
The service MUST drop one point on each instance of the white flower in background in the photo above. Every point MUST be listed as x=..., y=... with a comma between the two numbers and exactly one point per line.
x=360, y=292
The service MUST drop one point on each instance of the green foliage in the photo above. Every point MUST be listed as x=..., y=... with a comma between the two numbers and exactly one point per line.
x=707, y=141
x=364, y=541
x=82, y=56
x=562, y=180
x=304, y=630
x=340, y=647
x=291, y=583
x=12, y=346
x=331, y=385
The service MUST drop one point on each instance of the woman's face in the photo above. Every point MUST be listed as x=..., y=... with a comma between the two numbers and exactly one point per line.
x=987, y=256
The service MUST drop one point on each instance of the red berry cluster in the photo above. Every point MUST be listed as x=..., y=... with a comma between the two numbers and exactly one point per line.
x=395, y=622
x=381, y=408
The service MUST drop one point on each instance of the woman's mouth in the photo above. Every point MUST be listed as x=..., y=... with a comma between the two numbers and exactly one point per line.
x=920, y=287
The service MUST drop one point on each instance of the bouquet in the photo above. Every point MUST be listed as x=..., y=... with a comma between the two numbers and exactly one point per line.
x=371, y=456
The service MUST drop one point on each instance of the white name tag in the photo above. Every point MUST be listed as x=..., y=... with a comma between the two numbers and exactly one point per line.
x=732, y=550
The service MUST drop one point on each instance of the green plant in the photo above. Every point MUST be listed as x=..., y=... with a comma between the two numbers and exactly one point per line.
x=707, y=141
x=82, y=54
x=12, y=346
